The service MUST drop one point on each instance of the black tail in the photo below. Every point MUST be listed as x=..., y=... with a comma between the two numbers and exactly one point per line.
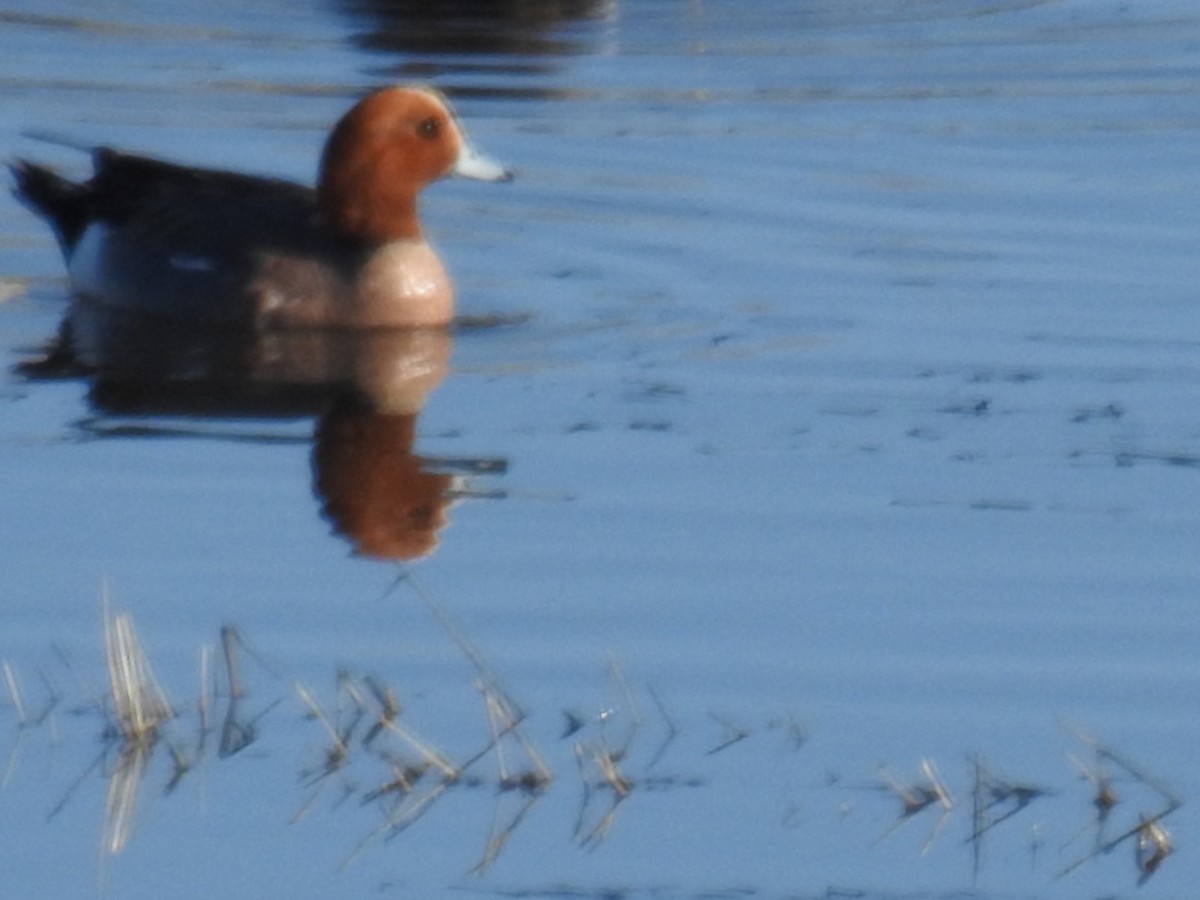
x=64, y=204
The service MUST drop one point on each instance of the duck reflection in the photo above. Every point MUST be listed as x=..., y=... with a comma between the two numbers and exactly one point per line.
x=464, y=37
x=366, y=390
x=375, y=490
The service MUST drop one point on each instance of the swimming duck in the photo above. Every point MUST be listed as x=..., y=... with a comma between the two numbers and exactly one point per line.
x=220, y=246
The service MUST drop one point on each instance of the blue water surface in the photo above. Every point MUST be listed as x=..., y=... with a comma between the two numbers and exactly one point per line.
x=839, y=444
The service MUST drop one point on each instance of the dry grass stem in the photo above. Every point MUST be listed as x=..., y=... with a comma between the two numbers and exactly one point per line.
x=431, y=756
x=1151, y=841
x=204, y=700
x=336, y=755
x=14, y=692
x=991, y=791
x=123, y=785
x=914, y=798
x=499, y=836
x=585, y=756
x=139, y=705
x=372, y=752
x=673, y=729
x=504, y=723
x=627, y=702
x=404, y=778
x=733, y=733
x=1152, y=847
x=389, y=708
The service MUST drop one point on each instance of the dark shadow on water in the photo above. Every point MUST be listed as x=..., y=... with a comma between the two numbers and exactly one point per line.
x=365, y=390
x=470, y=37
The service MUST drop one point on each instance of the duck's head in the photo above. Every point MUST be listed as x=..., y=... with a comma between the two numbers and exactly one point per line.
x=381, y=154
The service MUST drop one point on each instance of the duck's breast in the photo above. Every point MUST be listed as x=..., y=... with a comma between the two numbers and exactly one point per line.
x=399, y=284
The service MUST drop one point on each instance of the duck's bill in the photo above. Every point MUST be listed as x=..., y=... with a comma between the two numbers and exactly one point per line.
x=475, y=165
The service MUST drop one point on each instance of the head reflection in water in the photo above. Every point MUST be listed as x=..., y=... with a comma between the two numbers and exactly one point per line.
x=375, y=490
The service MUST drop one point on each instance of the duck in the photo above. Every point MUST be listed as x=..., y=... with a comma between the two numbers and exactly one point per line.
x=226, y=248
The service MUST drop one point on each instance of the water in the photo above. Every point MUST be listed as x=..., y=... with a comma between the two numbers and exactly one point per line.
x=843, y=420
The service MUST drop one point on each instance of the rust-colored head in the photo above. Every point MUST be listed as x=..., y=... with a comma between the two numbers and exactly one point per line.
x=383, y=152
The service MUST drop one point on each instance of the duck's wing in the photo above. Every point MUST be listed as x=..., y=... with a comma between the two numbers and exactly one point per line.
x=196, y=208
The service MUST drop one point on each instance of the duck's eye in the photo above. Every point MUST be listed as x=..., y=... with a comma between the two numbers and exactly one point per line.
x=429, y=128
